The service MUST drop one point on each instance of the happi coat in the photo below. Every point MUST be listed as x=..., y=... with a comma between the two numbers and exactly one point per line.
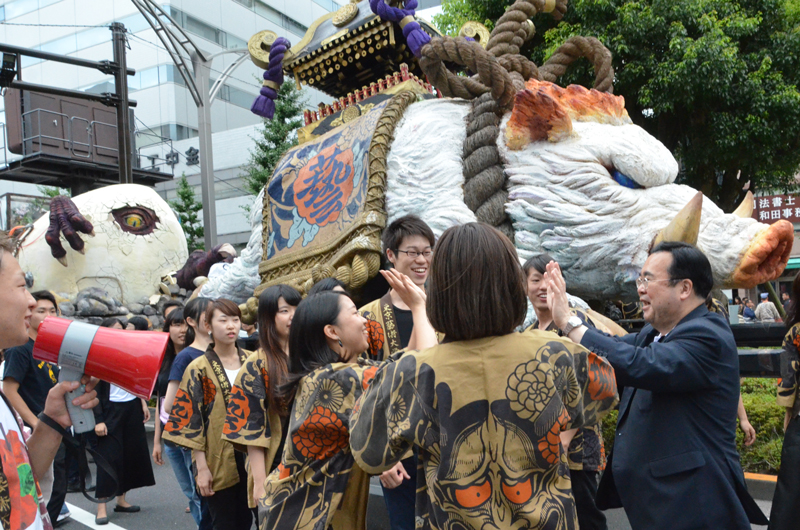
x=586, y=450
x=198, y=416
x=384, y=338
x=317, y=484
x=249, y=419
x=485, y=416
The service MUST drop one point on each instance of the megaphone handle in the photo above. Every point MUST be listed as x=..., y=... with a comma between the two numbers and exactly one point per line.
x=82, y=419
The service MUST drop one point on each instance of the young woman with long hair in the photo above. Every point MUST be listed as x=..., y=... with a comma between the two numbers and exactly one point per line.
x=198, y=416
x=785, y=509
x=317, y=482
x=255, y=423
x=485, y=408
x=180, y=458
x=122, y=441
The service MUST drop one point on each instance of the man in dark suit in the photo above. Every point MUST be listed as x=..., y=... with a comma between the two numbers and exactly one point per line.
x=674, y=464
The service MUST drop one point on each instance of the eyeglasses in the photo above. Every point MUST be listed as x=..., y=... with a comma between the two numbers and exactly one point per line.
x=644, y=281
x=414, y=254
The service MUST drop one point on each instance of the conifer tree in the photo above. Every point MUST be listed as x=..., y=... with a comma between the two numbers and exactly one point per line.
x=187, y=207
x=275, y=137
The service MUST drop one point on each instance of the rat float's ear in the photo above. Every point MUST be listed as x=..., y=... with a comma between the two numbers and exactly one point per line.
x=536, y=116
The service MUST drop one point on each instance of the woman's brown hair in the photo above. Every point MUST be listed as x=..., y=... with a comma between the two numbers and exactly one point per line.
x=224, y=306
x=476, y=287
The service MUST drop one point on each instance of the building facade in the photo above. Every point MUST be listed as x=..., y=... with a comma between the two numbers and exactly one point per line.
x=165, y=108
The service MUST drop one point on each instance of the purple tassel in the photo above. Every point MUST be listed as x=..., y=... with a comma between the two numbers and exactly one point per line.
x=264, y=105
x=415, y=36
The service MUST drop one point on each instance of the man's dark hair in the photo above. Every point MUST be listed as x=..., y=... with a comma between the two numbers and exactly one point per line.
x=537, y=262
x=688, y=263
x=46, y=295
x=476, y=287
x=139, y=323
x=406, y=226
x=327, y=284
x=171, y=303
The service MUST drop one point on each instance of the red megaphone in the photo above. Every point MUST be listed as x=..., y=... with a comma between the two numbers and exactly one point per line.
x=130, y=360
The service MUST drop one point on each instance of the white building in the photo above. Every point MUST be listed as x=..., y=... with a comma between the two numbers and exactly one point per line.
x=165, y=105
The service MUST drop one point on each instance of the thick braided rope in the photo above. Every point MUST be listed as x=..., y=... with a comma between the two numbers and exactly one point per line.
x=574, y=48
x=484, y=179
x=491, y=75
x=511, y=30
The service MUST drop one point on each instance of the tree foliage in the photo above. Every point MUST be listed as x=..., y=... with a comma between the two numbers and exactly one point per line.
x=276, y=137
x=714, y=80
x=187, y=208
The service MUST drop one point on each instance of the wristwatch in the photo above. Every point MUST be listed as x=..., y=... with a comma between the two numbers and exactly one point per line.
x=573, y=322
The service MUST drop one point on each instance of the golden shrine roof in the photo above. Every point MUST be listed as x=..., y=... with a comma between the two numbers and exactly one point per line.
x=345, y=50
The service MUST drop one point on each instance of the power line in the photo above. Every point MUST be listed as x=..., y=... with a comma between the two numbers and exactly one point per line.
x=137, y=37
x=56, y=25
x=146, y=128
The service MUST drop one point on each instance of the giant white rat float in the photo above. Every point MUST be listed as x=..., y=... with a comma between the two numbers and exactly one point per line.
x=562, y=170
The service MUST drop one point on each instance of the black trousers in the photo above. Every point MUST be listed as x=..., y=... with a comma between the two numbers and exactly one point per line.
x=228, y=507
x=125, y=448
x=785, y=514
x=59, y=484
x=401, y=501
x=584, y=490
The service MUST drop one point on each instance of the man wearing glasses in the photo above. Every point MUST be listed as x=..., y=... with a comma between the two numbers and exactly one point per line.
x=674, y=464
x=408, y=243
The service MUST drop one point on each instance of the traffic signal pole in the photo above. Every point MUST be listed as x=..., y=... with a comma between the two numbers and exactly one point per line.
x=202, y=76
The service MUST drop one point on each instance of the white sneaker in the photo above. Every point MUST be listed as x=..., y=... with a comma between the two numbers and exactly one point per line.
x=63, y=516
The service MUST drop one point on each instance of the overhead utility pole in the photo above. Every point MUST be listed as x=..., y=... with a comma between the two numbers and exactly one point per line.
x=182, y=50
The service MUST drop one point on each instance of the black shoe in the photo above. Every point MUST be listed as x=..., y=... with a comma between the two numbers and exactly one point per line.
x=127, y=509
x=100, y=520
x=74, y=488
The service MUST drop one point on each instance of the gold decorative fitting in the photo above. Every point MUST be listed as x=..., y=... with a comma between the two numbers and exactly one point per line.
x=406, y=20
x=271, y=84
x=531, y=28
x=344, y=15
x=351, y=113
x=549, y=6
x=335, y=36
x=475, y=30
x=259, y=46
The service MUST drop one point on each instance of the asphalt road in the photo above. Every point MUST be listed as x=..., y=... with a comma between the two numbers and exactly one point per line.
x=163, y=508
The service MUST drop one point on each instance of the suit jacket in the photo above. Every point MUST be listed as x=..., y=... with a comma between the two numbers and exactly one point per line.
x=674, y=464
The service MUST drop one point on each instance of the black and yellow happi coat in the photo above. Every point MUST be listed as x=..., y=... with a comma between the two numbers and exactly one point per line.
x=384, y=338
x=485, y=416
x=317, y=485
x=249, y=419
x=586, y=450
x=790, y=368
x=198, y=416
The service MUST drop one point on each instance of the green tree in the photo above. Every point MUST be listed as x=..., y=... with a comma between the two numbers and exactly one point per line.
x=187, y=207
x=275, y=138
x=714, y=80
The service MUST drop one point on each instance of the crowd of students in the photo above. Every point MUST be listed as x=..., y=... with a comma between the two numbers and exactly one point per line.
x=467, y=420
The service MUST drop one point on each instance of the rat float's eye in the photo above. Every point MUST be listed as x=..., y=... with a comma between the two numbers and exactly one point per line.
x=136, y=219
x=624, y=180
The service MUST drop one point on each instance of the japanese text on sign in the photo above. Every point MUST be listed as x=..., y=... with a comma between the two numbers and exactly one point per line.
x=771, y=208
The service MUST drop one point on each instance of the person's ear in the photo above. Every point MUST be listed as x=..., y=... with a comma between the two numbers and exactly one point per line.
x=687, y=289
x=391, y=256
x=330, y=332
